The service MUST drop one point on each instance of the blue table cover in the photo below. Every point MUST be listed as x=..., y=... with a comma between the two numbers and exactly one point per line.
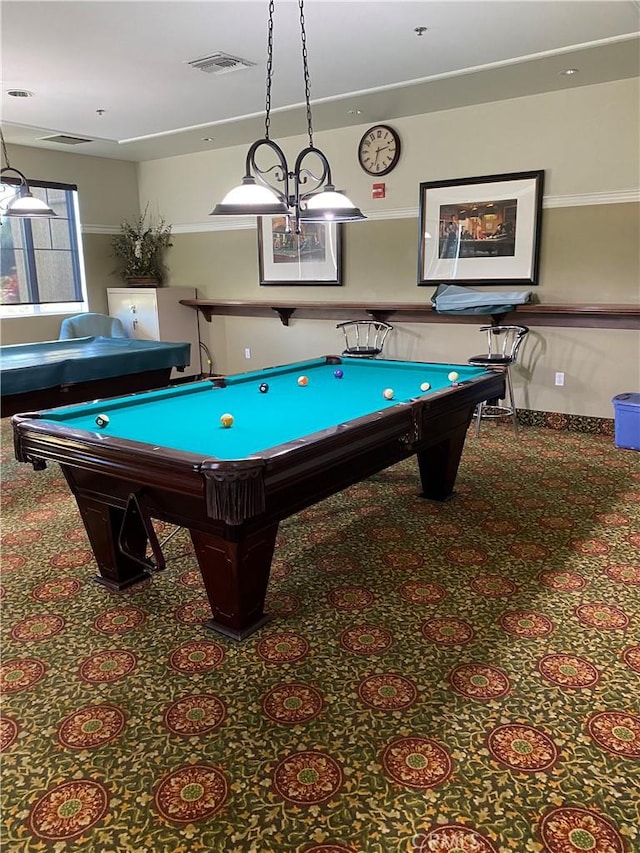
x=47, y=364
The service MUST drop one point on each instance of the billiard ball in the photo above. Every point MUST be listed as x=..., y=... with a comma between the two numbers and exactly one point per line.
x=226, y=420
x=263, y=388
x=453, y=376
x=303, y=380
x=388, y=393
x=102, y=421
x=338, y=374
x=425, y=386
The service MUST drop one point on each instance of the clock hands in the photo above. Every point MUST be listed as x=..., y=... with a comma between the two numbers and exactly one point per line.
x=378, y=150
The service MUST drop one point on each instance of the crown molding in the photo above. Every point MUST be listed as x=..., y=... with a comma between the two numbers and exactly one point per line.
x=240, y=223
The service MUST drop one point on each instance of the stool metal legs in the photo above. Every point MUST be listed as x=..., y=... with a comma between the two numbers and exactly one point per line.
x=499, y=411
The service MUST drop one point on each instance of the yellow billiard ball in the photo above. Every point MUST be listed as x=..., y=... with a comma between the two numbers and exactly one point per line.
x=226, y=420
x=453, y=376
x=388, y=393
x=303, y=380
x=425, y=386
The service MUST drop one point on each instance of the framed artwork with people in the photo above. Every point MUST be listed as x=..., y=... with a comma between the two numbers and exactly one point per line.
x=481, y=230
x=312, y=256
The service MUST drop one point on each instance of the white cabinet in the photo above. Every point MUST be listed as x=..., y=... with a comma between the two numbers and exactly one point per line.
x=155, y=314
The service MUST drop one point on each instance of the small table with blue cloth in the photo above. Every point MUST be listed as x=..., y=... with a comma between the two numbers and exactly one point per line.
x=47, y=374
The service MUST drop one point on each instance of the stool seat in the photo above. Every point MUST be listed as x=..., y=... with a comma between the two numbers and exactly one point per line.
x=503, y=343
x=362, y=352
x=491, y=360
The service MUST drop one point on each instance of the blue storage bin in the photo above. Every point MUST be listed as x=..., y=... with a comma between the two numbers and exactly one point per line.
x=627, y=421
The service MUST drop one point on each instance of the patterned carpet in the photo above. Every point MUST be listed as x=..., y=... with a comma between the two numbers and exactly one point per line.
x=457, y=678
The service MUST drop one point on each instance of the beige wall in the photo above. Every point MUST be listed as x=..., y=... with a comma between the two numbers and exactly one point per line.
x=586, y=139
x=589, y=255
x=107, y=193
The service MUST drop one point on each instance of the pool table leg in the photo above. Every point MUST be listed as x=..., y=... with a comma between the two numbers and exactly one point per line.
x=235, y=572
x=103, y=523
x=438, y=465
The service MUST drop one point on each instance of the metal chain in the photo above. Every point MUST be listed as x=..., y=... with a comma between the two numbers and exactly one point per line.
x=4, y=150
x=305, y=67
x=267, y=106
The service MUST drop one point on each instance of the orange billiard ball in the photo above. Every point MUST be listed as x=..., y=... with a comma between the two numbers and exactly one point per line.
x=226, y=420
x=303, y=380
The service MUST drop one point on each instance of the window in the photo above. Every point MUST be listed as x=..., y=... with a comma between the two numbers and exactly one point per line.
x=41, y=269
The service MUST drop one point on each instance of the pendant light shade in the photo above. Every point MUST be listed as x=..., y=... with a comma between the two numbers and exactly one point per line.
x=250, y=199
x=26, y=205
x=330, y=205
x=23, y=203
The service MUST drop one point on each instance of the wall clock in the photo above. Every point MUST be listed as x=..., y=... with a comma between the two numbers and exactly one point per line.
x=379, y=150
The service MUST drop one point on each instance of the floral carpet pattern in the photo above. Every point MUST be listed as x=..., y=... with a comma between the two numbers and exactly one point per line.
x=436, y=678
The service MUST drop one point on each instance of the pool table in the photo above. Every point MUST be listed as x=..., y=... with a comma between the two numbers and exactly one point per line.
x=53, y=373
x=166, y=455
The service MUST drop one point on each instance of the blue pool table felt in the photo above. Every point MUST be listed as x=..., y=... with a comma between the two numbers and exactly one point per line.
x=187, y=417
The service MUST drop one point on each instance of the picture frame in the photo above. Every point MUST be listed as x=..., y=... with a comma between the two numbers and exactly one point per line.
x=313, y=257
x=481, y=230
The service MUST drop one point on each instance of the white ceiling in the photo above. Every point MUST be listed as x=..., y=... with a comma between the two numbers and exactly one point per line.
x=129, y=58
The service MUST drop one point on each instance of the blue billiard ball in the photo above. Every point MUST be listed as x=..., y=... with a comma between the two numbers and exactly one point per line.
x=263, y=388
x=338, y=374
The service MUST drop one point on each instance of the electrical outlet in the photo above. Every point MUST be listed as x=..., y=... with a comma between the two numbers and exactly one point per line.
x=247, y=352
x=559, y=378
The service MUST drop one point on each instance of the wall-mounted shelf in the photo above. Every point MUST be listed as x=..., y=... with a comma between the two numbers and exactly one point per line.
x=603, y=316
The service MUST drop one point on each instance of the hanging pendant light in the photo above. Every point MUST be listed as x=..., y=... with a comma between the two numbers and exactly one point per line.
x=23, y=203
x=305, y=194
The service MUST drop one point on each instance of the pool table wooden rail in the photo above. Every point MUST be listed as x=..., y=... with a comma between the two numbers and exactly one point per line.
x=232, y=508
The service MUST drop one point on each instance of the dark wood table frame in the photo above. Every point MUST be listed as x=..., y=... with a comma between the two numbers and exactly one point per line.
x=79, y=392
x=232, y=508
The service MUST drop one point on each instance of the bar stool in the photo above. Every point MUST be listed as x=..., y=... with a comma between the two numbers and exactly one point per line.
x=503, y=343
x=364, y=338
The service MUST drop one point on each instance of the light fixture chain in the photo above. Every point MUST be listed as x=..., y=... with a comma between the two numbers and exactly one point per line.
x=4, y=150
x=305, y=67
x=267, y=106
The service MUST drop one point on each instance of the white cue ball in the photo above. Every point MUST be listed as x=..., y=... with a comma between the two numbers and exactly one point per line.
x=453, y=376
x=425, y=386
x=388, y=393
x=102, y=421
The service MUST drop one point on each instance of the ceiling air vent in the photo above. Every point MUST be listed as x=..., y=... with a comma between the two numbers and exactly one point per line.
x=220, y=63
x=65, y=140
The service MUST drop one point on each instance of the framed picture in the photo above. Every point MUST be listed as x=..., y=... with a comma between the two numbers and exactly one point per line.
x=481, y=230
x=312, y=257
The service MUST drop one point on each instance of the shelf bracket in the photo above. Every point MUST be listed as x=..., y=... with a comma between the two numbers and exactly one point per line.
x=379, y=315
x=284, y=313
x=205, y=310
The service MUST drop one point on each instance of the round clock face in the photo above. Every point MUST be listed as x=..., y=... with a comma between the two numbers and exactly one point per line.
x=379, y=150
